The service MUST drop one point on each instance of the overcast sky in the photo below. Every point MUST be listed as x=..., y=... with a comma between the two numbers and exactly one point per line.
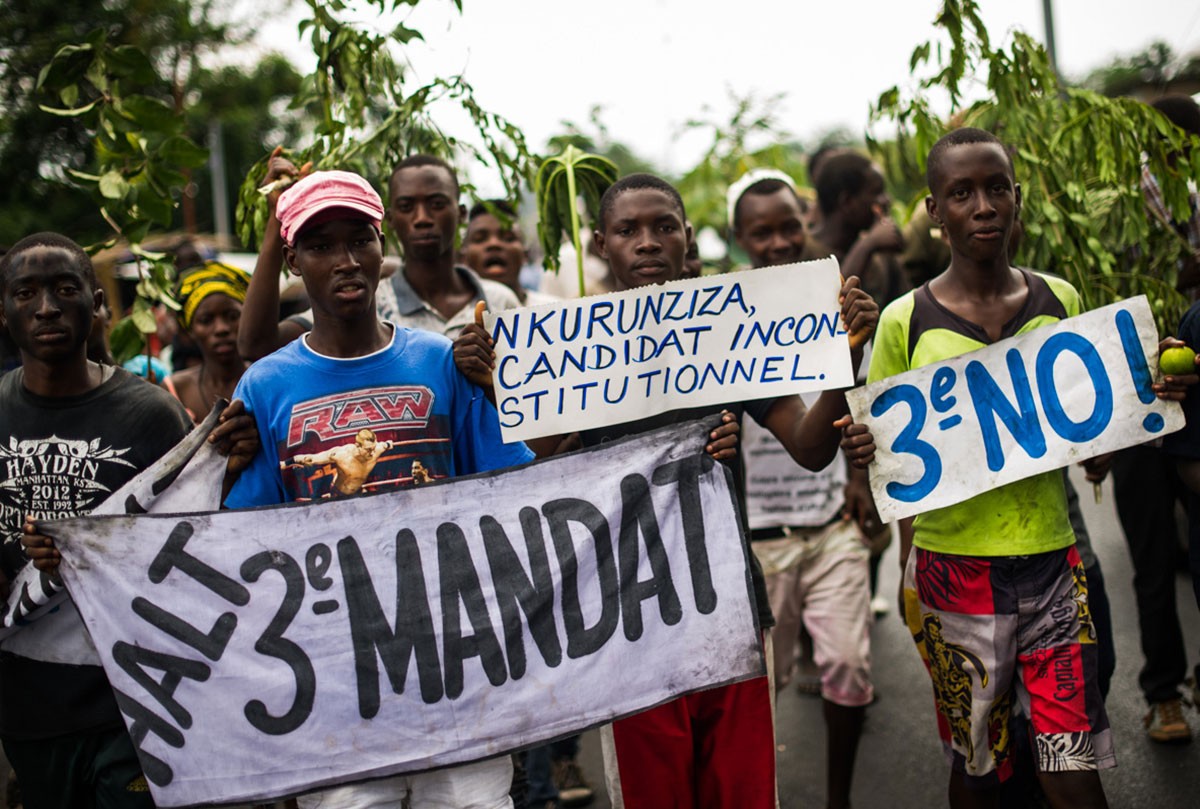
x=653, y=64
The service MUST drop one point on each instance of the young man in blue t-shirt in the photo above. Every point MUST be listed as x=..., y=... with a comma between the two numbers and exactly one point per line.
x=359, y=405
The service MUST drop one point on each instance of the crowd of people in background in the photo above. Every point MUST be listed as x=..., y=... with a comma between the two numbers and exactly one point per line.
x=944, y=285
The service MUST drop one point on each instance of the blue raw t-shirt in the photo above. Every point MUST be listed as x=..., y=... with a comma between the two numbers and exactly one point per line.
x=337, y=427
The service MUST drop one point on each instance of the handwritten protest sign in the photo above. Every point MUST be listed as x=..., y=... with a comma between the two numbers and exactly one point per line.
x=39, y=621
x=271, y=651
x=614, y=358
x=1025, y=405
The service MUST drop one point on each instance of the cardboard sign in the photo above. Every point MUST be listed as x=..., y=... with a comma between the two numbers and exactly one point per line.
x=268, y=652
x=615, y=358
x=1029, y=404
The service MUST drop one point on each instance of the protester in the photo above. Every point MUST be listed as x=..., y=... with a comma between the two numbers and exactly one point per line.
x=328, y=223
x=975, y=638
x=856, y=223
x=429, y=291
x=210, y=297
x=693, y=265
x=714, y=748
x=1154, y=562
x=857, y=228
x=60, y=725
x=813, y=557
x=494, y=249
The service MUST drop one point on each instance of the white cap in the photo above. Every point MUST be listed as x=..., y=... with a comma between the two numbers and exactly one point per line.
x=748, y=179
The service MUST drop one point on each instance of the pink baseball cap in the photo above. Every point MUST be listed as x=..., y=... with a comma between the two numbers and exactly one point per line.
x=323, y=191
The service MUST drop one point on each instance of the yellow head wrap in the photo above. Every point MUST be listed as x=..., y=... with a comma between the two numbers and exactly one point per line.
x=210, y=279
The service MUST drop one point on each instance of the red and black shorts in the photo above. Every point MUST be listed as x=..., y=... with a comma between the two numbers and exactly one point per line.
x=997, y=630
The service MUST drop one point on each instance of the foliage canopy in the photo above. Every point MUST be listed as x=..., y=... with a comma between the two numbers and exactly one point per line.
x=1078, y=156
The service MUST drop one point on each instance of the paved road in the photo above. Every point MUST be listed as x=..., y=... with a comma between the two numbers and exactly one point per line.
x=900, y=765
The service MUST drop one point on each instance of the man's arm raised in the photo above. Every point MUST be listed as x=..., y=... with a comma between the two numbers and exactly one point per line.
x=260, y=331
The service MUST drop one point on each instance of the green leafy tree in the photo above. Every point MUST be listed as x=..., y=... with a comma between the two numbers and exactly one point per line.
x=36, y=149
x=140, y=155
x=252, y=106
x=750, y=138
x=370, y=116
x=1078, y=155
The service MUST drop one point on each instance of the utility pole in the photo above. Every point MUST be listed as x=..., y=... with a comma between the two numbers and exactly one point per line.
x=216, y=167
x=1048, y=15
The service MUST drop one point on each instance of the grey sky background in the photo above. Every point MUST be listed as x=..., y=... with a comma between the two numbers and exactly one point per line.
x=654, y=64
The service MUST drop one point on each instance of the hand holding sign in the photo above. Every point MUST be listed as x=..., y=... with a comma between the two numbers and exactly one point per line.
x=858, y=445
x=474, y=354
x=860, y=312
x=39, y=548
x=724, y=439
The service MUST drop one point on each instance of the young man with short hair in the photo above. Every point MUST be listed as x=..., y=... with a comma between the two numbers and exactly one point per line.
x=494, y=249
x=73, y=431
x=329, y=226
x=428, y=291
x=714, y=748
x=1021, y=598
x=813, y=556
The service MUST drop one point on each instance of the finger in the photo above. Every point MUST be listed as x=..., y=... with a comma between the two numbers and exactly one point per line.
x=722, y=449
x=846, y=286
x=480, y=360
x=480, y=308
x=306, y=169
x=234, y=409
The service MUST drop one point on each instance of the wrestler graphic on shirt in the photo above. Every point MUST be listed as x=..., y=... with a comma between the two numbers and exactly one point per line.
x=353, y=462
x=420, y=474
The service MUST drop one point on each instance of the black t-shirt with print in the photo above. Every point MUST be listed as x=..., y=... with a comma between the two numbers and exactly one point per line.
x=62, y=457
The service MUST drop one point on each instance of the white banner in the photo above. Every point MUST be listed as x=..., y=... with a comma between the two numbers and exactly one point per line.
x=1058, y=395
x=271, y=651
x=614, y=358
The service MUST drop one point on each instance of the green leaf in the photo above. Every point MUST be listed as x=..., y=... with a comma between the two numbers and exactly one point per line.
x=180, y=151
x=68, y=66
x=125, y=340
x=71, y=113
x=150, y=205
x=131, y=62
x=149, y=113
x=113, y=186
x=69, y=95
x=142, y=316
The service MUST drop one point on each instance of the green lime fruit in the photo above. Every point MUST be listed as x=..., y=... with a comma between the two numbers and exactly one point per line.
x=1177, y=361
